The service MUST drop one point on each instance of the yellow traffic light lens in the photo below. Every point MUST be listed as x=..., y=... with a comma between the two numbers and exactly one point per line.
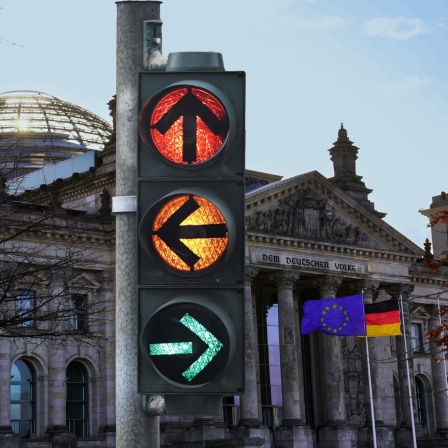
x=188, y=126
x=190, y=233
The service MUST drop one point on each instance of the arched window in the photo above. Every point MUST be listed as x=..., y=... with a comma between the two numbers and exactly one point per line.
x=23, y=398
x=77, y=400
x=421, y=401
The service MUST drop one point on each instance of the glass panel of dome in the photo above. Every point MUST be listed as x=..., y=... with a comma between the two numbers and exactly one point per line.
x=22, y=124
x=73, y=134
x=64, y=125
x=28, y=100
x=85, y=136
x=24, y=115
x=9, y=123
x=83, y=127
x=38, y=124
x=70, y=144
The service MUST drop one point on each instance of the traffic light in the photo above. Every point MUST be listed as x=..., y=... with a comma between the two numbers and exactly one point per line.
x=191, y=233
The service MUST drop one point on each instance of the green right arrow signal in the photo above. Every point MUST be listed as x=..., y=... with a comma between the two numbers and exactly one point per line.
x=171, y=348
x=183, y=348
x=214, y=346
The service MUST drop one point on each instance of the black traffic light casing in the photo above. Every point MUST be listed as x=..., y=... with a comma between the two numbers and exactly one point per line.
x=191, y=317
x=225, y=304
x=228, y=270
x=229, y=164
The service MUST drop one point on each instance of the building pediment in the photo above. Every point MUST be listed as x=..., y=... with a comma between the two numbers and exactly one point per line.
x=420, y=313
x=310, y=208
x=85, y=282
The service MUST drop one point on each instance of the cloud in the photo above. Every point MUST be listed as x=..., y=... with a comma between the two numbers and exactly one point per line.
x=402, y=28
x=404, y=86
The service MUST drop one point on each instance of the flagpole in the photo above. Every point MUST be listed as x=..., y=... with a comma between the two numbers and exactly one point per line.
x=372, y=409
x=414, y=438
x=444, y=359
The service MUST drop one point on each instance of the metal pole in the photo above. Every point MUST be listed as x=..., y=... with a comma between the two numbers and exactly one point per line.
x=372, y=410
x=414, y=437
x=134, y=428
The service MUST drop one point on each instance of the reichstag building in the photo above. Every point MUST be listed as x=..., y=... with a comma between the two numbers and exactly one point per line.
x=307, y=237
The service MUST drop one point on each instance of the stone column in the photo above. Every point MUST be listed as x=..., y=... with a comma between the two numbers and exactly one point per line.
x=333, y=380
x=57, y=374
x=5, y=386
x=108, y=369
x=403, y=435
x=250, y=425
x=297, y=324
x=439, y=369
x=57, y=391
x=294, y=432
x=7, y=438
x=249, y=400
x=335, y=433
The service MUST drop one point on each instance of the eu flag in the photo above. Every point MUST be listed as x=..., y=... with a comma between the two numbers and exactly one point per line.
x=339, y=317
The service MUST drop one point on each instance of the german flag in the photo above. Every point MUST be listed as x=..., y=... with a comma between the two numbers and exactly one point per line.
x=383, y=319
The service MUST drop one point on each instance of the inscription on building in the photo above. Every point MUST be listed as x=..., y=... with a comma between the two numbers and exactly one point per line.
x=294, y=260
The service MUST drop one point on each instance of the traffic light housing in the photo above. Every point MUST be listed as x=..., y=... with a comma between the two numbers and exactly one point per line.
x=191, y=232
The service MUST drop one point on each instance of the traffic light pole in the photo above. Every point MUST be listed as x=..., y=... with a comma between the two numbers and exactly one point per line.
x=134, y=427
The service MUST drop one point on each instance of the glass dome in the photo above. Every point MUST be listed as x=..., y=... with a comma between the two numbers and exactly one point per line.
x=37, y=129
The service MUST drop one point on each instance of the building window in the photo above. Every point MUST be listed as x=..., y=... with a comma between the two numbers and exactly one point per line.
x=397, y=400
x=231, y=411
x=274, y=356
x=77, y=400
x=269, y=356
x=26, y=306
x=307, y=381
x=22, y=399
x=79, y=312
x=421, y=402
x=417, y=338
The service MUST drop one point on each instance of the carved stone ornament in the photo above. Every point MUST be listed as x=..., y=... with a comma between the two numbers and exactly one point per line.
x=250, y=273
x=354, y=394
x=303, y=214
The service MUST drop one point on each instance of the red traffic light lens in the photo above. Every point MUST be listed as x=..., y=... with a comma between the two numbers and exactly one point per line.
x=186, y=125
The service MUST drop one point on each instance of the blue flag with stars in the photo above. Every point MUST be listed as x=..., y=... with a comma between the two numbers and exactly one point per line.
x=339, y=317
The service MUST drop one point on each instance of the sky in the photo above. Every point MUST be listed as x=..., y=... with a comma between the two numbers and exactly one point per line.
x=379, y=67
